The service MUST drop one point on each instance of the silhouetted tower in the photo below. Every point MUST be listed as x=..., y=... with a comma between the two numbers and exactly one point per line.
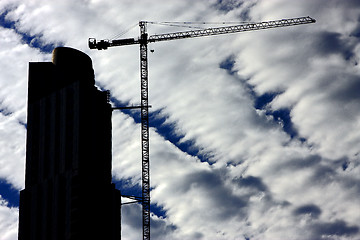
x=68, y=191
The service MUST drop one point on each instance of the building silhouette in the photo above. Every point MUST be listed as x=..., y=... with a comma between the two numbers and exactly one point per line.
x=68, y=191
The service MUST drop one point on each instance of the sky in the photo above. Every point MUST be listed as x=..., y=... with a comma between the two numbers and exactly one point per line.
x=252, y=135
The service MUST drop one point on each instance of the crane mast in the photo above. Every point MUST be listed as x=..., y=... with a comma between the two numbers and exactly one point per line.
x=143, y=41
x=145, y=131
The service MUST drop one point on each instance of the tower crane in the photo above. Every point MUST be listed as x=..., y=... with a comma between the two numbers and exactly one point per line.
x=143, y=41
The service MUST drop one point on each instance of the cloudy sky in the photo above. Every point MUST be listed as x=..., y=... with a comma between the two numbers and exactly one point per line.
x=253, y=135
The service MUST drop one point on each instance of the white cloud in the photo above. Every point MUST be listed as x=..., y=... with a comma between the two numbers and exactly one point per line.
x=8, y=221
x=12, y=151
x=262, y=184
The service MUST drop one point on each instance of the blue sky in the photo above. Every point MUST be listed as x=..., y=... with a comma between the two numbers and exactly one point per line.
x=253, y=135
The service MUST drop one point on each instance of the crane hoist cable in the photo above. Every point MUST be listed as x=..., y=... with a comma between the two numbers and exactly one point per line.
x=125, y=31
x=189, y=24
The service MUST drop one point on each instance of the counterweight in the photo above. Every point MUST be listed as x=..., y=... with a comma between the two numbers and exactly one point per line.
x=143, y=40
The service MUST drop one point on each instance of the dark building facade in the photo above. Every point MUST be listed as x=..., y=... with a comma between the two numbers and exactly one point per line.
x=68, y=191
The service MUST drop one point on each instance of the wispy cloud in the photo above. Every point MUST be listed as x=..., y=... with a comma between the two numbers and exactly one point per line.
x=255, y=136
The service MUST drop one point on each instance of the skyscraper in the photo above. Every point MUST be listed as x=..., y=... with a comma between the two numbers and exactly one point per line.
x=68, y=191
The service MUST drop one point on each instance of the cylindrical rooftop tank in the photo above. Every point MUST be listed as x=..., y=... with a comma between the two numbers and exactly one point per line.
x=74, y=64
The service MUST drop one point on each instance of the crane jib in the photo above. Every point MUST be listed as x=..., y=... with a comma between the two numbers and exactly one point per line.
x=231, y=29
